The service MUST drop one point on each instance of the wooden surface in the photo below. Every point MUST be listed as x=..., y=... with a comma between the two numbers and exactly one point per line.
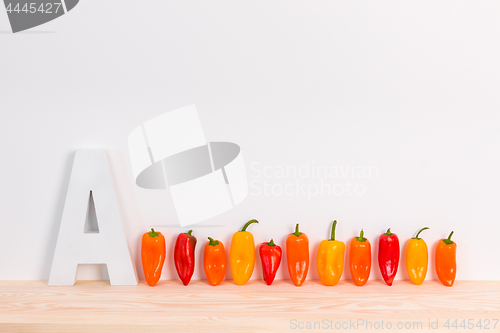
x=95, y=306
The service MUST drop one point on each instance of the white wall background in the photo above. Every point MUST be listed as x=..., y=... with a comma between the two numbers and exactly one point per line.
x=410, y=87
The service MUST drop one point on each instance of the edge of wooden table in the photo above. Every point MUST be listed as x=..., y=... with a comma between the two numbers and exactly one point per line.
x=33, y=306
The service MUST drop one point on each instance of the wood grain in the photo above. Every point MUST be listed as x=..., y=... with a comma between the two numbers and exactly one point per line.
x=95, y=306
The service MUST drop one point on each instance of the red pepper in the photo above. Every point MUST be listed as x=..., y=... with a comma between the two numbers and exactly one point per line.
x=184, y=256
x=270, y=254
x=388, y=256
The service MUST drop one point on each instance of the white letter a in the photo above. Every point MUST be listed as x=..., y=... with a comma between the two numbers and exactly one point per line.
x=90, y=175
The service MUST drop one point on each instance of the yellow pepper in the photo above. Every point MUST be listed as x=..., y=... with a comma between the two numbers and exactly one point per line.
x=330, y=259
x=242, y=255
x=417, y=258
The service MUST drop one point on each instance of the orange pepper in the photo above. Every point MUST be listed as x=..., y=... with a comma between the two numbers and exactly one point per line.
x=446, y=261
x=297, y=256
x=153, y=252
x=214, y=261
x=360, y=259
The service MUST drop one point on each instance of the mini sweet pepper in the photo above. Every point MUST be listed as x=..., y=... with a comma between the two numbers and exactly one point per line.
x=153, y=252
x=446, y=261
x=360, y=259
x=330, y=259
x=417, y=258
x=184, y=256
x=214, y=261
x=270, y=255
x=242, y=255
x=297, y=256
x=388, y=256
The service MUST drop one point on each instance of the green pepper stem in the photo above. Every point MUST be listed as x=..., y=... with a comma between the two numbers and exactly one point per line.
x=153, y=233
x=213, y=242
x=248, y=223
x=448, y=241
x=333, y=230
x=361, y=237
x=388, y=232
x=416, y=237
x=189, y=232
x=297, y=232
x=271, y=243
